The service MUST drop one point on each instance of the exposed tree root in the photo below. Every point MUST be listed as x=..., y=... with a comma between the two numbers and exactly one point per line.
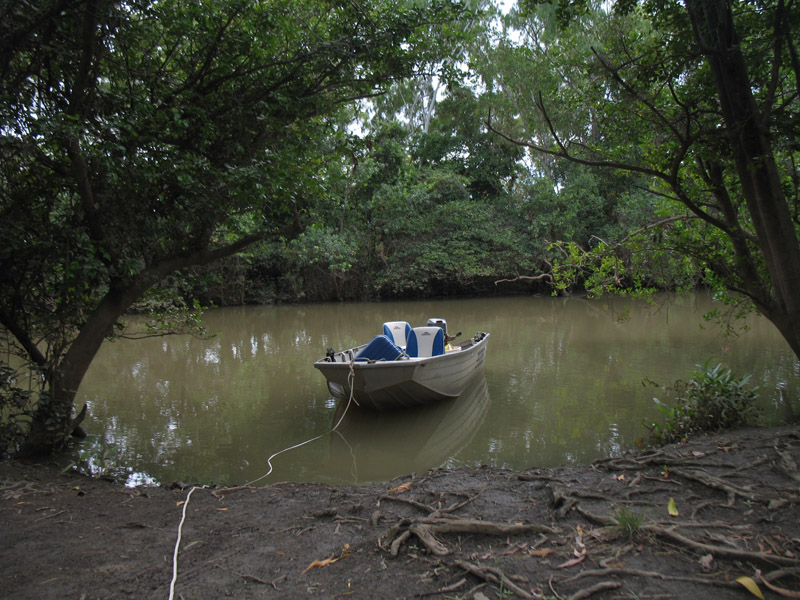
x=715, y=482
x=735, y=553
x=601, y=536
x=432, y=510
x=595, y=589
x=495, y=576
x=672, y=535
x=778, y=590
x=427, y=529
x=651, y=574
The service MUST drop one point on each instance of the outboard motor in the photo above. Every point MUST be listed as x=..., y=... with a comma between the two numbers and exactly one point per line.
x=438, y=323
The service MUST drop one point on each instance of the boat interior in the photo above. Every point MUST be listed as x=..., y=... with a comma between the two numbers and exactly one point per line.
x=401, y=341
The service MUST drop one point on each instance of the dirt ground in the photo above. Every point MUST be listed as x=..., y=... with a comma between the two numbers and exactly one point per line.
x=601, y=531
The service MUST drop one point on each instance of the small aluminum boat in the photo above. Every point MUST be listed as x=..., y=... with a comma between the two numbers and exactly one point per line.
x=405, y=366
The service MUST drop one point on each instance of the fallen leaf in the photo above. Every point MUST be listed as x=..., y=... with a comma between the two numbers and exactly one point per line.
x=221, y=509
x=572, y=563
x=328, y=561
x=319, y=563
x=400, y=488
x=542, y=552
x=751, y=586
x=21, y=503
x=671, y=508
x=180, y=503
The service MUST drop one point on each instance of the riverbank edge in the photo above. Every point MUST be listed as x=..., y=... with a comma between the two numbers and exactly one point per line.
x=446, y=533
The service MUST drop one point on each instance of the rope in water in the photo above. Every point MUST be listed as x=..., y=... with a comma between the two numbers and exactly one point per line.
x=350, y=378
x=351, y=399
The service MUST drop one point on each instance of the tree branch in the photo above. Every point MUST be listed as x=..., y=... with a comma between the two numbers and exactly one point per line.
x=23, y=338
x=564, y=153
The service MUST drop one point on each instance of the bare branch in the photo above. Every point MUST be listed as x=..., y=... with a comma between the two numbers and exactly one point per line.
x=527, y=278
x=563, y=152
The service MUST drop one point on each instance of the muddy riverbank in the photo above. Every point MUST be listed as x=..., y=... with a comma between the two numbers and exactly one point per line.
x=685, y=521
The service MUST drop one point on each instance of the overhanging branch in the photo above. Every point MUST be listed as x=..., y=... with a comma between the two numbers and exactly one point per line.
x=563, y=151
x=13, y=326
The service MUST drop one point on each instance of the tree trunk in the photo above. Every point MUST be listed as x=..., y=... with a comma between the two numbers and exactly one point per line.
x=748, y=133
x=53, y=423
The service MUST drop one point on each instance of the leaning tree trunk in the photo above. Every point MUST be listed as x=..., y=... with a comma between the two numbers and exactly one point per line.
x=748, y=133
x=54, y=423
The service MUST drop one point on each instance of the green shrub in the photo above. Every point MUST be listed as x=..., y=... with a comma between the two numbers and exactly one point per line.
x=711, y=400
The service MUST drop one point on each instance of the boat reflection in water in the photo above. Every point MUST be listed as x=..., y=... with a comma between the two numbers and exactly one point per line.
x=370, y=446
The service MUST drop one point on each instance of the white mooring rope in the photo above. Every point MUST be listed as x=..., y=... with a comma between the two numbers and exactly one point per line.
x=351, y=399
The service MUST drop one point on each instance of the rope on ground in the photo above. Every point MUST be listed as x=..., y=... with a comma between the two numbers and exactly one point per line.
x=178, y=543
x=351, y=399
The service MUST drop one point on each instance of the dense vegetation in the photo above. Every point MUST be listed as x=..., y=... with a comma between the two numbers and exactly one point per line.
x=450, y=210
x=710, y=400
x=155, y=154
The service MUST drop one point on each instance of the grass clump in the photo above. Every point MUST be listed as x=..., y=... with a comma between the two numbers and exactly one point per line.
x=629, y=523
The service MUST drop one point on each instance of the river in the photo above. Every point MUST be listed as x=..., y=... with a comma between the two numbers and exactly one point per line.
x=566, y=381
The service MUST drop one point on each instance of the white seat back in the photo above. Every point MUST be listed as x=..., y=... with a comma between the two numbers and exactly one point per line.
x=397, y=331
x=425, y=341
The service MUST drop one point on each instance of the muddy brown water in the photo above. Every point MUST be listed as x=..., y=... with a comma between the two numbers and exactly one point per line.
x=565, y=382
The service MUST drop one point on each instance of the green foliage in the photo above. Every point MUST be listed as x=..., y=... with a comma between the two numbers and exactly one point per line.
x=168, y=315
x=636, y=266
x=711, y=400
x=444, y=240
x=458, y=141
x=321, y=258
x=636, y=88
x=141, y=139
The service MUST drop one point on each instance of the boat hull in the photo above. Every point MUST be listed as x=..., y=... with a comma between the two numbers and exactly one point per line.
x=386, y=385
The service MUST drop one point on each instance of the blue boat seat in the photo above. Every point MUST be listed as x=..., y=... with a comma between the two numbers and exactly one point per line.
x=380, y=348
x=425, y=341
x=397, y=331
